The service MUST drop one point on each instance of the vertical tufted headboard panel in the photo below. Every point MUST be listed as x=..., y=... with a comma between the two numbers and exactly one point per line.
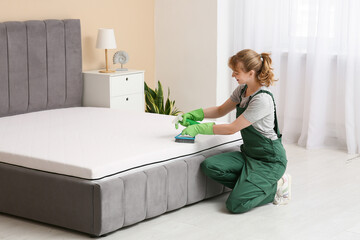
x=40, y=65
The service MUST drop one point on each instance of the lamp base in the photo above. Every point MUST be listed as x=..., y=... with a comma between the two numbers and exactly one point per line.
x=106, y=71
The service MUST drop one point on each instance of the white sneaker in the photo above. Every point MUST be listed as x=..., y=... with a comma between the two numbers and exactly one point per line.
x=283, y=193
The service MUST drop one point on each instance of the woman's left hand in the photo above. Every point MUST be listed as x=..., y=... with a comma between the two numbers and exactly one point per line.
x=203, y=128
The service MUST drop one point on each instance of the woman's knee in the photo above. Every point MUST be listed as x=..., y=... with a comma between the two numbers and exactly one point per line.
x=208, y=166
x=236, y=207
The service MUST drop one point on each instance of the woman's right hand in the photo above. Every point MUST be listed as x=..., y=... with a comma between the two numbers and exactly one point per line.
x=195, y=115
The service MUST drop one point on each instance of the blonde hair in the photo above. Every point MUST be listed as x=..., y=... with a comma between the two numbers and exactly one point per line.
x=251, y=60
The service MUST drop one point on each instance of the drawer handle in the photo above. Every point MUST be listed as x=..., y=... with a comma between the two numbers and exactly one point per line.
x=127, y=99
x=127, y=79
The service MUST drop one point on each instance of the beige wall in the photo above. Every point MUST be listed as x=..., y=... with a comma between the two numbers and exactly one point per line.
x=132, y=21
x=186, y=51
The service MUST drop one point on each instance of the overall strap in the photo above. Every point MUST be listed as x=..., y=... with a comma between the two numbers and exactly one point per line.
x=241, y=93
x=276, y=127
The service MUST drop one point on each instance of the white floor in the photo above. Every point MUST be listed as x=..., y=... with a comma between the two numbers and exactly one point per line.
x=325, y=205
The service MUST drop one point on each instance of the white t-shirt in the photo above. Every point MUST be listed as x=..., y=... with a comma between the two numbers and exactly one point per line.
x=260, y=111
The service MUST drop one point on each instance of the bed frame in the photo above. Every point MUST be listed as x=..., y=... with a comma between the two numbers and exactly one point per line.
x=40, y=69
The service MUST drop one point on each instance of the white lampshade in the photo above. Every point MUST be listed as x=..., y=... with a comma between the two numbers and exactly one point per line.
x=106, y=39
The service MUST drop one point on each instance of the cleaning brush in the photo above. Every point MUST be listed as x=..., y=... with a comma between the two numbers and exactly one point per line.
x=184, y=139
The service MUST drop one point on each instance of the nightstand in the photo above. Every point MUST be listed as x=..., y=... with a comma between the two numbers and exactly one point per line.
x=121, y=89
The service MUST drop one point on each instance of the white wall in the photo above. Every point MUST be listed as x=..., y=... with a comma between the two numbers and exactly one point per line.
x=193, y=42
x=225, y=48
x=186, y=51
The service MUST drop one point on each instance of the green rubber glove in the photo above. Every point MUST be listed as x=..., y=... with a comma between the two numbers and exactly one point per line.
x=189, y=121
x=196, y=115
x=202, y=128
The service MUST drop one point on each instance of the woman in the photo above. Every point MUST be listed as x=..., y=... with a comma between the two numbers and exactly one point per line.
x=253, y=173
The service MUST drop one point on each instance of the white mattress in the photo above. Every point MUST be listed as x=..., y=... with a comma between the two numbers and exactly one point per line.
x=92, y=143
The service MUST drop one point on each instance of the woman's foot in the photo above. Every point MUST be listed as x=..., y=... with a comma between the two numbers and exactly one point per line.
x=283, y=193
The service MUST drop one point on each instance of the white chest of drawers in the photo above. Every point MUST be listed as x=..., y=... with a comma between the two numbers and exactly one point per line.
x=122, y=90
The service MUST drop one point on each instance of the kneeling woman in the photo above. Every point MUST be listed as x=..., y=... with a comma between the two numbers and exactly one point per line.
x=256, y=172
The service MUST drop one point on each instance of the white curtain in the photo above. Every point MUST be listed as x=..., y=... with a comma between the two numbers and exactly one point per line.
x=315, y=47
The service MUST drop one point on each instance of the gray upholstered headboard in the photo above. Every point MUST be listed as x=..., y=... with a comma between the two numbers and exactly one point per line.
x=40, y=65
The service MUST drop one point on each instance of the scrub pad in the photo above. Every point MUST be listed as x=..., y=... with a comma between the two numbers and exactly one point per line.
x=184, y=139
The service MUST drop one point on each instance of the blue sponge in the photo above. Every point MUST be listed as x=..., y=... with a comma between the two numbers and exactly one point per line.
x=184, y=139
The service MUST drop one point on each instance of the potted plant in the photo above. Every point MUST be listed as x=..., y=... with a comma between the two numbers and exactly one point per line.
x=154, y=100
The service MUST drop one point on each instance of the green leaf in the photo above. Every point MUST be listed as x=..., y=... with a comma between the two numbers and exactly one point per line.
x=159, y=100
x=148, y=98
x=147, y=89
x=175, y=112
x=150, y=103
x=169, y=107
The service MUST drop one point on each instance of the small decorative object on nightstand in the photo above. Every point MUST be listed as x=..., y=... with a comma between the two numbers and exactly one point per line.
x=121, y=57
x=122, y=90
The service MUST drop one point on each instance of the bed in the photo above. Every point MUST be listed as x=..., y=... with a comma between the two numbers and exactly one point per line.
x=93, y=170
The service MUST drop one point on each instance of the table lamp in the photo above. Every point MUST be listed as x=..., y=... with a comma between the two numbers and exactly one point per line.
x=106, y=40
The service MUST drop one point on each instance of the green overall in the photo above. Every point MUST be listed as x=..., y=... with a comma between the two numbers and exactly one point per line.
x=253, y=172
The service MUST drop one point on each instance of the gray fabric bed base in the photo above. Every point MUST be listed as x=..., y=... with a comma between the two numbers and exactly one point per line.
x=98, y=207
